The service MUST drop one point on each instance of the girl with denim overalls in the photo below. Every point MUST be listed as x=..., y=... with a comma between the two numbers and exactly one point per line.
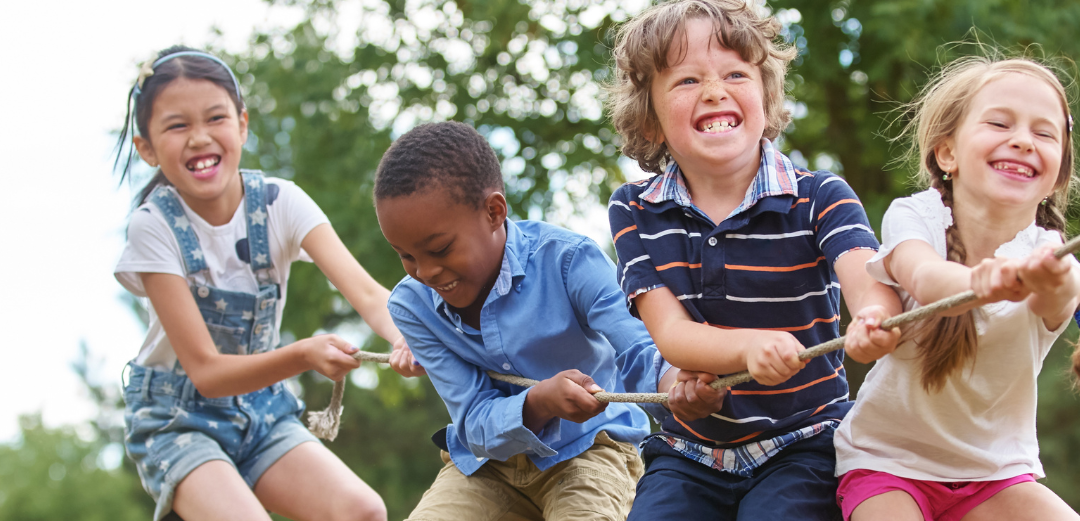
x=213, y=431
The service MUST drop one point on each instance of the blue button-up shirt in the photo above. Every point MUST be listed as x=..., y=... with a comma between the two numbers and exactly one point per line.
x=556, y=305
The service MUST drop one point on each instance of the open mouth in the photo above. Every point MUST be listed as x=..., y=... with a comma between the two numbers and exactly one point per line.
x=447, y=287
x=1017, y=169
x=718, y=124
x=202, y=165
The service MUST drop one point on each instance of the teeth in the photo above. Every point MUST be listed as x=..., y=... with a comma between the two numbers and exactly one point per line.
x=1020, y=169
x=447, y=287
x=206, y=163
x=718, y=126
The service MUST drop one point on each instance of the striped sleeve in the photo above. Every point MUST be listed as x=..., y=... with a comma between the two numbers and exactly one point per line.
x=636, y=271
x=839, y=220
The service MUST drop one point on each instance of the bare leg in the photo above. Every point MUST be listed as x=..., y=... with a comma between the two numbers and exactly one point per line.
x=1023, y=501
x=894, y=505
x=214, y=490
x=310, y=483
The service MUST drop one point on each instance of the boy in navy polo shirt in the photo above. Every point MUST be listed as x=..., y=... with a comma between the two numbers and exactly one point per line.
x=524, y=298
x=735, y=261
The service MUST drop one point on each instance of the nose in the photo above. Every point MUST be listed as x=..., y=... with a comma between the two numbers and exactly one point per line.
x=427, y=271
x=199, y=137
x=1021, y=140
x=712, y=90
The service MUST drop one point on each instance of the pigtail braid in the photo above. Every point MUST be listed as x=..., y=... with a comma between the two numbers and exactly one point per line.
x=946, y=344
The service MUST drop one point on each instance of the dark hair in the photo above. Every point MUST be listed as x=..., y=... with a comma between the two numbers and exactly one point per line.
x=450, y=156
x=192, y=67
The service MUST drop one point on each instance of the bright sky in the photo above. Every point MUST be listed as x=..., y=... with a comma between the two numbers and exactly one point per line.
x=66, y=67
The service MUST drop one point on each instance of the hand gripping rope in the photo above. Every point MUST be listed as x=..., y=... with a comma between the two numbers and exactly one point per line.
x=324, y=424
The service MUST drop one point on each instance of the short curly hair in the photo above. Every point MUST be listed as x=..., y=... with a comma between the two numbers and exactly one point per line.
x=450, y=156
x=641, y=52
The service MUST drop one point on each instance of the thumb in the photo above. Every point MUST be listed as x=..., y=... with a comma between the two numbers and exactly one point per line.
x=584, y=380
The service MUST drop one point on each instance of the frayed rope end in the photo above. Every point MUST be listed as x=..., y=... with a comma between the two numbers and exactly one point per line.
x=324, y=424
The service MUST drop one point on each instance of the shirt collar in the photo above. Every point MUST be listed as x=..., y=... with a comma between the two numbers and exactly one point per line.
x=775, y=176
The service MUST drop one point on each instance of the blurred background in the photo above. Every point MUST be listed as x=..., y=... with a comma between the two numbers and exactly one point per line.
x=329, y=84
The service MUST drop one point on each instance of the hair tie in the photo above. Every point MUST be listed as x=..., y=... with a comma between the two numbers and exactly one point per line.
x=148, y=66
x=145, y=71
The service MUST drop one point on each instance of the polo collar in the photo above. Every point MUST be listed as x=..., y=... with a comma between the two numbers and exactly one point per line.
x=775, y=176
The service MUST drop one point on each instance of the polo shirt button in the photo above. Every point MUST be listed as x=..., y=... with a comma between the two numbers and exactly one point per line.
x=204, y=291
x=712, y=241
x=506, y=367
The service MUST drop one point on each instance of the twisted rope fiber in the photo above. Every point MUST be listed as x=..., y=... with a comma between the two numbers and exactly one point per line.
x=319, y=421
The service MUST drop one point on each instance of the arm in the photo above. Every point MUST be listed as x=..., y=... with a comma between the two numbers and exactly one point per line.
x=1054, y=285
x=365, y=295
x=215, y=374
x=771, y=356
x=487, y=419
x=869, y=302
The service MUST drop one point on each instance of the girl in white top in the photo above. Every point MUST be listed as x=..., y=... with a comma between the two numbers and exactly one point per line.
x=944, y=427
x=213, y=432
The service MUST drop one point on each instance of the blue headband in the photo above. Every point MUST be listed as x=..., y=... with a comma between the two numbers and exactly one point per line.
x=146, y=72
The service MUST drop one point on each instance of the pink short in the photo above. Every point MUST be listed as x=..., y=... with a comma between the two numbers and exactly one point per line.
x=938, y=500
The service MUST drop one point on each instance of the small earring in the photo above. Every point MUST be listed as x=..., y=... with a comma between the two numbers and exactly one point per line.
x=1045, y=200
x=946, y=176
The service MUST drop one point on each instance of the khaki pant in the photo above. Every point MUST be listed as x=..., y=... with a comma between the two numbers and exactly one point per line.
x=596, y=485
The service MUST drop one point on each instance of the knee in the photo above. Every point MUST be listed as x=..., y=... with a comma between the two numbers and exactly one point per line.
x=360, y=506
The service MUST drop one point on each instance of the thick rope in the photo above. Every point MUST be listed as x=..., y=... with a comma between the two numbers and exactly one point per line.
x=324, y=424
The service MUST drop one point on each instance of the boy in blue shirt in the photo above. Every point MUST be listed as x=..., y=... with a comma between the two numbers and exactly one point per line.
x=524, y=298
x=735, y=260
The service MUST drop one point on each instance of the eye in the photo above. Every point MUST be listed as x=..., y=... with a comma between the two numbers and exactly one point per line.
x=687, y=81
x=442, y=252
x=997, y=124
x=176, y=126
x=737, y=75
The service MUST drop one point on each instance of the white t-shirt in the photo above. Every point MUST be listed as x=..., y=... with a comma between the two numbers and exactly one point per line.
x=981, y=425
x=152, y=248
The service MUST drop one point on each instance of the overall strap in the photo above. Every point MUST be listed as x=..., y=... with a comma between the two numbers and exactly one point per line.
x=257, y=221
x=169, y=205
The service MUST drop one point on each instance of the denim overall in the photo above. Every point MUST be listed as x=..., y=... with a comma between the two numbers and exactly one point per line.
x=170, y=427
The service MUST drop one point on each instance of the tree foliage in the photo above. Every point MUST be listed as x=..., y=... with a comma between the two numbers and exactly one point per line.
x=328, y=96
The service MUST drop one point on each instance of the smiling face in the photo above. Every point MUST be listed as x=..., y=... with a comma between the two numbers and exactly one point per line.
x=1008, y=149
x=449, y=246
x=196, y=135
x=710, y=106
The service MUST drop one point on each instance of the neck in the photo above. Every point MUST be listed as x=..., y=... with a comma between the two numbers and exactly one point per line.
x=985, y=227
x=718, y=190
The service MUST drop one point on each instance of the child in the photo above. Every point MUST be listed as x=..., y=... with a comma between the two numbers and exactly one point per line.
x=212, y=429
x=938, y=431
x=526, y=298
x=735, y=261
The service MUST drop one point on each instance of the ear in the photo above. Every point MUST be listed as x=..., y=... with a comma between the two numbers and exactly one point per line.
x=945, y=154
x=243, y=120
x=654, y=135
x=145, y=149
x=495, y=210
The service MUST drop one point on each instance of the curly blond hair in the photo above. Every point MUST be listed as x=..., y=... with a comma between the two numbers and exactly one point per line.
x=641, y=52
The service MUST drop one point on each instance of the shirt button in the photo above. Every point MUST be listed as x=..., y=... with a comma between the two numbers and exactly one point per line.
x=204, y=291
x=506, y=367
x=459, y=330
x=712, y=241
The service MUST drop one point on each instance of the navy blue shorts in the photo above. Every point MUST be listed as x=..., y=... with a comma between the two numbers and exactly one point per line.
x=797, y=483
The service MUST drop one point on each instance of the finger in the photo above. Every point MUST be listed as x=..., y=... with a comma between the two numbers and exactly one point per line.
x=585, y=381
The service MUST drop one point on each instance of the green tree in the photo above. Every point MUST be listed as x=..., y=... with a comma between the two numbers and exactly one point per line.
x=328, y=96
